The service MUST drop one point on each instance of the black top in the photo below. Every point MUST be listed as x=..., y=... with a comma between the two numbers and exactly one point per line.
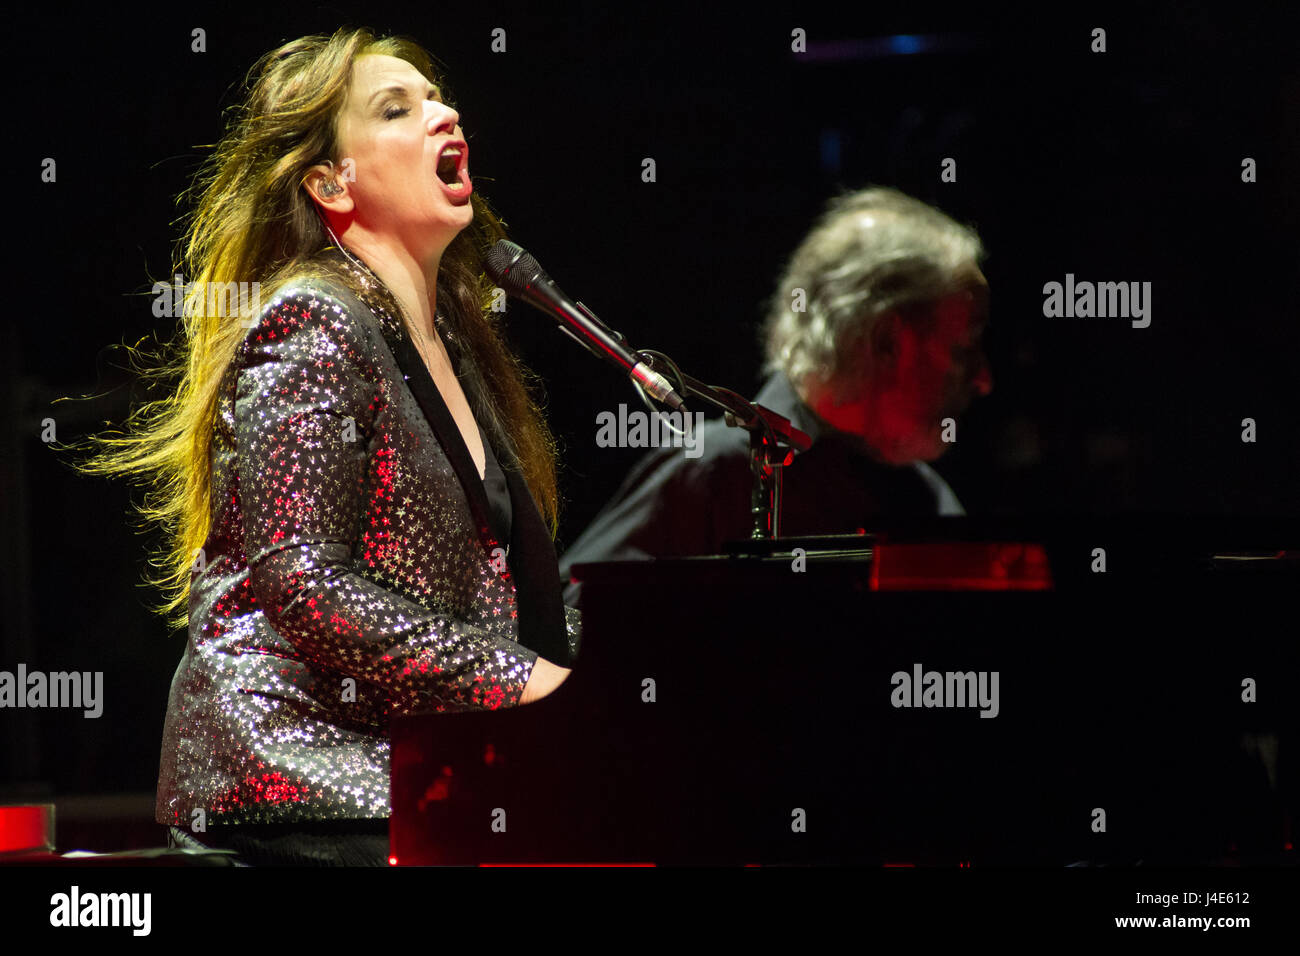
x=494, y=483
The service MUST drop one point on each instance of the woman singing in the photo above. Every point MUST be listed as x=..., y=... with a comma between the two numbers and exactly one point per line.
x=360, y=490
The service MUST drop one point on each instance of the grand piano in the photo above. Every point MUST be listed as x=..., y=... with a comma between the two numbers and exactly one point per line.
x=947, y=693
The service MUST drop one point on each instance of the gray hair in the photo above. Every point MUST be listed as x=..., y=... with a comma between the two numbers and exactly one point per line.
x=872, y=252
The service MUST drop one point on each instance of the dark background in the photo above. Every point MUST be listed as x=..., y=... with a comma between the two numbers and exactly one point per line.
x=1117, y=166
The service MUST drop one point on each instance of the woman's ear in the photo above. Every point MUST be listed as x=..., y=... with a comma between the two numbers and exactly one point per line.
x=329, y=189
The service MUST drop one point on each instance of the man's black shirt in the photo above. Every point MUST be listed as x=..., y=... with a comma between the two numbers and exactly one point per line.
x=671, y=505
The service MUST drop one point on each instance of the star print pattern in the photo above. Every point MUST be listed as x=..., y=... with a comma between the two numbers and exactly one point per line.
x=344, y=581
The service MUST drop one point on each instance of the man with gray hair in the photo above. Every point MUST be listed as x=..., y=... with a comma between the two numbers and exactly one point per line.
x=873, y=343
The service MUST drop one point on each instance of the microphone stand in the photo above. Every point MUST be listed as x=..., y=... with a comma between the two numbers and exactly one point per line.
x=773, y=439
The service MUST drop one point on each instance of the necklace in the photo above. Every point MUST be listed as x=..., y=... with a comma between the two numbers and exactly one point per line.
x=423, y=343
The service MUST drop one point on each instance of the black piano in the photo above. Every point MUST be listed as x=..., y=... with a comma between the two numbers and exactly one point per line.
x=954, y=692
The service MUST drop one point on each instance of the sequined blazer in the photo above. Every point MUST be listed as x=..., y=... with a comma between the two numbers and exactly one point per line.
x=353, y=573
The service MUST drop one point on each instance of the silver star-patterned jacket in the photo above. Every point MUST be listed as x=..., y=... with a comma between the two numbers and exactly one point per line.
x=353, y=572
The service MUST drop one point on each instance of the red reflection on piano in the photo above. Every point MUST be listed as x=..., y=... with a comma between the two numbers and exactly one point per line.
x=440, y=789
x=566, y=864
x=960, y=566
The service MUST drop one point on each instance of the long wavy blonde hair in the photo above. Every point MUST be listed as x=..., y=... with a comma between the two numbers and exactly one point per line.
x=253, y=221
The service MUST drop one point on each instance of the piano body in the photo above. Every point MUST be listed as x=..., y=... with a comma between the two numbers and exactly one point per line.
x=952, y=692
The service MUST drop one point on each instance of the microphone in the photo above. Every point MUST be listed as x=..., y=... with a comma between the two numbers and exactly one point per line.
x=516, y=271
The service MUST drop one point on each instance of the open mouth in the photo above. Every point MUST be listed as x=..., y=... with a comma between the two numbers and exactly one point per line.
x=453, y=169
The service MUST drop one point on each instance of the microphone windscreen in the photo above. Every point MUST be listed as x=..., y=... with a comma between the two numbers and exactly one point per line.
x=511, y=267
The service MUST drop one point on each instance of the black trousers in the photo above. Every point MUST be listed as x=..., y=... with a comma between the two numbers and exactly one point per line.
x=326, y=843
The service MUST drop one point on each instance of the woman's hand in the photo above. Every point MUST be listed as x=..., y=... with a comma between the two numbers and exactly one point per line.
x=544, y=679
